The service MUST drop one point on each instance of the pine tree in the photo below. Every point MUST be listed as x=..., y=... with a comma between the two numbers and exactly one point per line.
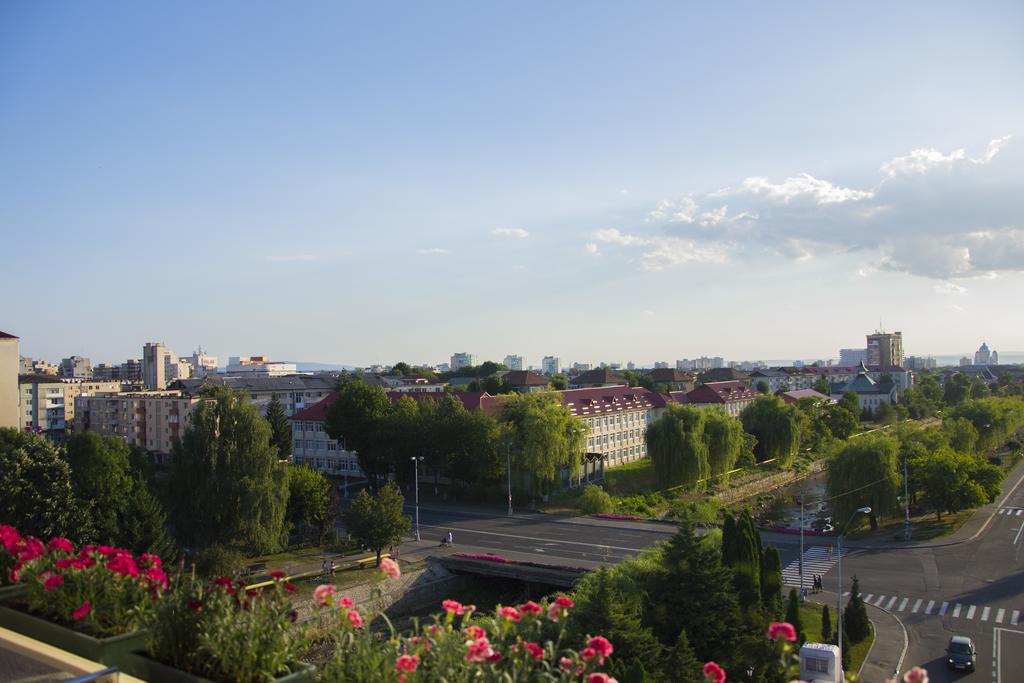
x=682, y=665
x=856, y=625
x=793, y=614
x=143, y=525
x=826, y=624
x=771, y=581
x=280, y=432
x=602, y=609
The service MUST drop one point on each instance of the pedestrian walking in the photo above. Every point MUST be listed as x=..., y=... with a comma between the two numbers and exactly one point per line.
x=323, y=568
x=332, y=567
x=449, y=539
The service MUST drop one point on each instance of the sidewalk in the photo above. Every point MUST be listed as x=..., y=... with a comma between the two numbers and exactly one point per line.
x=889, y=647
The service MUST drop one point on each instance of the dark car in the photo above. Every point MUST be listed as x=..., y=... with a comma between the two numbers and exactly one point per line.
x=960, y=653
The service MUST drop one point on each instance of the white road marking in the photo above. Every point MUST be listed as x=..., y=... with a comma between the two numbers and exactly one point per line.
x=879, y=603
x=917, y=605
x=1018, y=533
x=867, y=599
x=942, y=610
x=984, y=613
x=999, y=615
x=956, y=610
x=1019, y=512
x=1002, y=511
x=970, y=612
x=928, y=609
x=888, y=607
x=903, y=605
x=1014, y=617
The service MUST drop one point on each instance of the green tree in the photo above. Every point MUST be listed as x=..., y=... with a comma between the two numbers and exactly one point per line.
x=822, y=386
x=961, y=434
x=676, y=445
x=37, y=497
x=850, y=400
x=885, y=413
x=856, y=625
x=741, y=552
x=683, y=665
x=954, y=481
x=956, y=389
x=544, y=437
x=378, y=522
x=603, y=609
x=762, y=387
x=358, y=420
x=310, y=505
x=826, y=624
x=401, y=369
x=793, y=615
x=280, y=431
x=559, y=382
x=226, y=482
x=865, y=472
x=995, y=418
x=777, y=427
x=724, y=437
x=842, y=423
x=101, y=472
x=142, y=527
x=771, y=581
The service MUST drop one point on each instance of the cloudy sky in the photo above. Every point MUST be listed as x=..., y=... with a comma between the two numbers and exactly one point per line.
x=600, y=181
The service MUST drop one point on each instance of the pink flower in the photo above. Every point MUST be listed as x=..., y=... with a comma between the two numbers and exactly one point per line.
x=355, y=618
x=598, y=677
x=477, y=650
x=52, y=581
x=407, y=663
x=58, y=543
x=106, y=550
x=82, y=610
x=563, y=601
x=602, y=646
x=453, y=606
x=536, y=650
x=123, y=564
x=588, y=653
x=346, y=602
x=495, y=657
x=510, y=613
x=64, y=562
x=156, y=576
x=475, y=632
x=558, y=609
x=530, y=607
x=714, y=673
x=782, y=630
x=916, y=675
x=565, y=664
x=390, y=567
x=324, y=594
x=151, y=560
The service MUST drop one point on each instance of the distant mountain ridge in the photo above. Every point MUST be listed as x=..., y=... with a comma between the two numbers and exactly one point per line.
x=304, y=366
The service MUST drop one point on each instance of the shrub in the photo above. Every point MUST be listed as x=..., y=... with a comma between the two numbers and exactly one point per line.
x=595, y=499
x=219, y=560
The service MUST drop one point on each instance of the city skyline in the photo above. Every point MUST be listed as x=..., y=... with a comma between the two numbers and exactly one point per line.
x=598, y=182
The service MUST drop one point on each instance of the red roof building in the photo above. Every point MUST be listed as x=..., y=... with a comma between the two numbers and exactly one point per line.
x=734, y=396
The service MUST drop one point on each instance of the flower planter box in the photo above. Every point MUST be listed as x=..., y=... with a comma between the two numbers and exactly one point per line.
x=13, y=591
x=113, y=650
x=143, y=666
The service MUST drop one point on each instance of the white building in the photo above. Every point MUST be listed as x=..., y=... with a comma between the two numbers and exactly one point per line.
x=312, y=446
x=202, y=364
x=461, y=360
x=550, y=365
x=76, y=367
x=514, y=362
x=155, y=357
x=853, y=356
x=617, y=419
x=258, y=366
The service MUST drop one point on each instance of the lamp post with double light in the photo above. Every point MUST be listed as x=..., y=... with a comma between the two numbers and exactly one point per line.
x=839, y=562
x=416, y=460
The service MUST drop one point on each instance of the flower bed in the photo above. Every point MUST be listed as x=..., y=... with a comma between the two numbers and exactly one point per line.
x=613, y=515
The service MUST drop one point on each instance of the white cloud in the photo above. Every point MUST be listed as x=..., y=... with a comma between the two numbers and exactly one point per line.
x=590, y=248
x=949, y=288
x=804, y=185
x=293, y=258
x=680, y=210
x=432, y=251
x=921, y=161
x=613, y=236
x=994, y=147
x=667, y=252
x=518, y=233
x=713, y=217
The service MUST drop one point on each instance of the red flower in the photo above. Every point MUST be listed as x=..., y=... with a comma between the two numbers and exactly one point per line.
x=106, y=550
x=536, y=650
x=277, y=574
x=598, y=677
x=782, y=630
x=346, y=602
x=477, y=650
x=588, y=653
x=53, y=581
x=510, y=613
x=453, y=606
x=407, y=663
x=530, y=607
x=495, y=657
x=151, y=560
x=82, y=610
x=565, y=664
x=714, y=673
x=157, y=576
x=355, y=618
x=58, y=543
x=290, y=587
x=64, y=562
x=123, y=564
x=602, y=646
x=195, y=605
x=563, y=601
x=475, y=632
x=222, y=581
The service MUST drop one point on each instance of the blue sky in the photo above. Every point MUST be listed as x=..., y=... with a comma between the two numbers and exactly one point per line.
x=344, y=183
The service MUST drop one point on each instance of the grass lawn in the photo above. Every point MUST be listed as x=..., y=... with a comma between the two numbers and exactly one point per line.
x=810, y=615
x=925, y=527
x=635, y=477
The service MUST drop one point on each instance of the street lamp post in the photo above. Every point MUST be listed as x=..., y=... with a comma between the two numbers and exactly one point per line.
x=906, y=501
x=839, y=562
x=416, y=460
x=508, y=467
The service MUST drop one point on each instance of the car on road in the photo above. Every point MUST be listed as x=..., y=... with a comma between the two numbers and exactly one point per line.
x=960, y=653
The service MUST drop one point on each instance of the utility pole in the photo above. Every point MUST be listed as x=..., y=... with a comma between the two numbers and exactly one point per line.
x=802, y=593
x=906, y=501
x=416, y=465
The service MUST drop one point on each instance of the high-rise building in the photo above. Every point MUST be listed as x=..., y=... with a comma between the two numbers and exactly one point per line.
x=852, y=357
x=154, y=366
x=48, y=403
x=885, y=349
x=202, y=363
x=76, y=367
x=965, y=361
x=550, y=365
x=461, y=360
x=920, y=363
x=983, y=356
x=9, y=365
x=514, y=362
x=661, y=364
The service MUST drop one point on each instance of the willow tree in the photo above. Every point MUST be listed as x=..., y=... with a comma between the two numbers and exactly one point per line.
x=725, y=439
x=777, y=427
x=226, y=482
x=544, y=437
x=865, y=472
x=676, y=444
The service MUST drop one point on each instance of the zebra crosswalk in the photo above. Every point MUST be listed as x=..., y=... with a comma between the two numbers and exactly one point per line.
x=818, y=560
x=1011, y=512
x=944, y=608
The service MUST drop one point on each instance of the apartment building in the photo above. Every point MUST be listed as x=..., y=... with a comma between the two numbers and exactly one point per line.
x=9, y=364
x=28, y=366
x=258, y=366
x=312, y=445
x=154, y=366
x=461, y=360
x=550, y=364
x=76, y=367
x=617, y=418
x=47, y=404
x=153, y=420
x=733, y=396
x=513, y=362
x=295, y=392
x=885, y=348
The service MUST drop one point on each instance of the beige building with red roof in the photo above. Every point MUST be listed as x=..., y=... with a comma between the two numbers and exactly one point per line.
x=312, y=445
x=733, y=396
